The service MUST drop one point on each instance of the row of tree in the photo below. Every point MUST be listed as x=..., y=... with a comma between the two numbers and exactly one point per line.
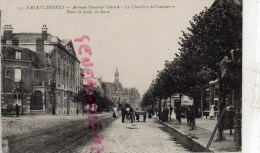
x=210, y=49
x=85, y=97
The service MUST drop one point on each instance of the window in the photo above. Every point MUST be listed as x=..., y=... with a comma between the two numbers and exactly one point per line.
x=17, y=75
x=18, y=55
x=8, y=74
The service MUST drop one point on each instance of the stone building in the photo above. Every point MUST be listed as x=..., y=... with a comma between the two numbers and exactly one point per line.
x=116, y=93
x=40, y=72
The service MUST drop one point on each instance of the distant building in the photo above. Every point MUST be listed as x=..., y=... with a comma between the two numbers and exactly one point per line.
x=116, y=93
x=40, y=72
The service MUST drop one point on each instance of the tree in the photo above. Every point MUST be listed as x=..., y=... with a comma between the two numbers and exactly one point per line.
x=213, y=34
x=94, y=97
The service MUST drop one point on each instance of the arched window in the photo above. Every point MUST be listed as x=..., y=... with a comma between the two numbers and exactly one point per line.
x=17, y=74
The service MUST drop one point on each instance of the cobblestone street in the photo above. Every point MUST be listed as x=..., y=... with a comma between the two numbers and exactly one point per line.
x=137, y=137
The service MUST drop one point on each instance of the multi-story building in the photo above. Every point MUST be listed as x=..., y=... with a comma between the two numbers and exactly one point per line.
x=119, y=95
x=41, y=72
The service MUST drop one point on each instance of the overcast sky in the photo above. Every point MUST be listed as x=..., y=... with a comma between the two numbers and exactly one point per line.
x=136, y=41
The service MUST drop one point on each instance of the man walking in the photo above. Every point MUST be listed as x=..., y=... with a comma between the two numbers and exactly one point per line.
x=123, y=112
x=188, y=115
x=178, y=114
x=17, y=110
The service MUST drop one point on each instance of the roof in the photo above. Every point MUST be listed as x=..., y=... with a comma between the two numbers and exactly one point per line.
x=66, y=41
x=16, y=47
x=30, y=37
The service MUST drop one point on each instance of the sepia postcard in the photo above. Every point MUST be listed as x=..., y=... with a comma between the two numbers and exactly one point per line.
x=123, y=76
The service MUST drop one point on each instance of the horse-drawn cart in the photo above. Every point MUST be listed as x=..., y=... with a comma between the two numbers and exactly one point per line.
x=140, y=113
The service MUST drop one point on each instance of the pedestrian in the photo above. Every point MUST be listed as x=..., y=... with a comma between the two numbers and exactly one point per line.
x=178, y=114
x=212, y=112
x=17, y=110
x=230, y=118
x=137, y=116
x=123, y=112
x=163, y=114
x=115, y=112
x=149, y=112
x=152, y=111
x=171, y=109
x=192, y=120
x=166, y=113
x=131, y=113
x=188, y=115
x=199, y=112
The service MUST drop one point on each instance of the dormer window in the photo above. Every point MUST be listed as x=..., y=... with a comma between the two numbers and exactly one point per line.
x=18, y=55
x=68, y=48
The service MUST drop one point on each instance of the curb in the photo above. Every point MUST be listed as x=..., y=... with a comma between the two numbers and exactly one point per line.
x=193, y=143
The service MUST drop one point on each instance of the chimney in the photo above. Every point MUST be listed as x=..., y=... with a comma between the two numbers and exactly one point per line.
x=44, y=32
x=8, y=32
x=15, y=42
x=39, y=45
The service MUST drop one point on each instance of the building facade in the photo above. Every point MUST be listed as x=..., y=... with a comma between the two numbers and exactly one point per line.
x=119, y=95
x=41, y=72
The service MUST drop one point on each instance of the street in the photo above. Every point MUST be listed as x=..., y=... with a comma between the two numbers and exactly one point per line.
x=137, y=137
x=118, y=137
x=51, y=137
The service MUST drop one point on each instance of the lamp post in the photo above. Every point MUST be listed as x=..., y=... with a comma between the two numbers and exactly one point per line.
x=237, y=61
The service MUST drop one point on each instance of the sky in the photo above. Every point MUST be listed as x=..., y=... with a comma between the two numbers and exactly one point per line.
x=136, y=41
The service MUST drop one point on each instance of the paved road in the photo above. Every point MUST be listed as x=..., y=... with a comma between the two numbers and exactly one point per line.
x=55, y=140
x=138, y=137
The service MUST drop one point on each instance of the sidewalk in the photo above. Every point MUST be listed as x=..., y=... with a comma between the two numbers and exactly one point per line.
x=203, y=133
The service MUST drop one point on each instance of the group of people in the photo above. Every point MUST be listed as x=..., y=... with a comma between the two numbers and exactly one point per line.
x=127, y=113
x=190, y=115
x=150, y=111
x=165, y=114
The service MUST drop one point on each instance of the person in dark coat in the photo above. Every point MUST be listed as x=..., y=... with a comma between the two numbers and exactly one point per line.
x=166, y=113
x=131, y=113
x=17, y=110
x=188, y=115
x=123, y=110
x=178, y=114
x=163, y=114
x=230, y=115
x=192, y=120
x=149, y=112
